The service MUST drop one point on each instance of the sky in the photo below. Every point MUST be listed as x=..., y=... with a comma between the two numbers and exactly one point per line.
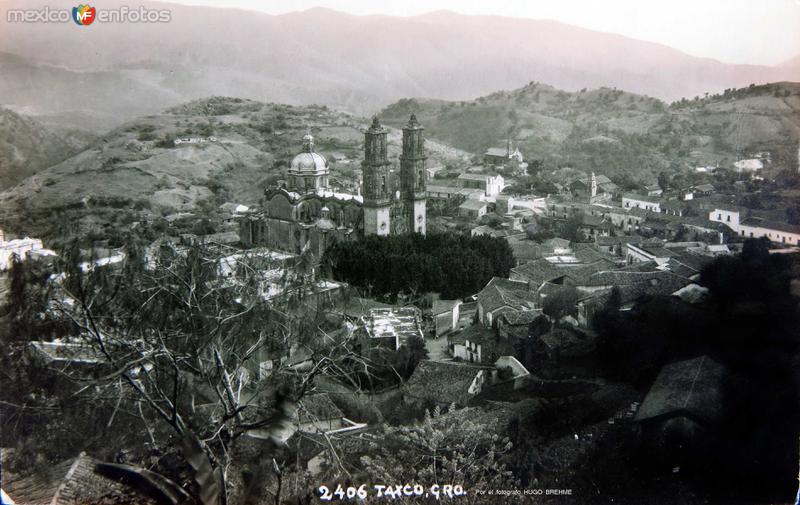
x=733, y=31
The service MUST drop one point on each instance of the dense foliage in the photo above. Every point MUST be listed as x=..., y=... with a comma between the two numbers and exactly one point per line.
x=453, y=265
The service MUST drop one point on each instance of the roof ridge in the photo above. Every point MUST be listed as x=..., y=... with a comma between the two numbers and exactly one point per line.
x=73, y=467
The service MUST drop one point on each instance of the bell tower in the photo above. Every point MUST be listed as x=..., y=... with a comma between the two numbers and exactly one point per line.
x=376, y=191
x=412, y=177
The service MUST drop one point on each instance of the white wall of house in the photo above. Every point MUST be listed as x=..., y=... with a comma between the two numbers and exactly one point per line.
x=731, y=218
x=630, y=203
x=20, y=247
x=728, y=217
x=778, y=236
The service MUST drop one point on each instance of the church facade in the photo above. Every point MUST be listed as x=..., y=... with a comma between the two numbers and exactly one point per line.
x=306, y=213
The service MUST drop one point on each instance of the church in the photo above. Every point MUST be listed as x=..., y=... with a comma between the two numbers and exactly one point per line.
x=306, y=213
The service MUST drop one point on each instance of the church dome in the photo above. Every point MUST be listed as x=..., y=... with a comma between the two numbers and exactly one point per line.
x=308, y=162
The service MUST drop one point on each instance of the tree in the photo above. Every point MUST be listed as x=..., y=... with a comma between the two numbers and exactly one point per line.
x=561, y=303
x=663, y=181
x=445, y=448
x=453, y=265
x=409, y=355
x=534, y=167
x=175, y=335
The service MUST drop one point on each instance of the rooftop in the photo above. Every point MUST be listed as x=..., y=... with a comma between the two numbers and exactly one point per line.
x=497, y=151
x=445, y=382
x=472, y=205
x=85, y=480
x=400, y=323
x=442, y=306
x=500, y=292
x=642, y=198
x=691, y=388
x=476, y=177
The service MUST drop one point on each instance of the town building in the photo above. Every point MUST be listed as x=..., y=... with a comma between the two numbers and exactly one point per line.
x=782, y=233
x=389, y=328
x=649, y=203
x=491, y=184
x=473, y=209
x=502, y=295
x=446, y=314
x=22, y=248
x=499, y=156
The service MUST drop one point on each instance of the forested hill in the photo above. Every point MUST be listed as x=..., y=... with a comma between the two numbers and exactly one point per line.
x=616, y=132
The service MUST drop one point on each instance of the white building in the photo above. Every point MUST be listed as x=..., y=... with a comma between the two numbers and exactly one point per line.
x=492, y=185
x=23, y=248
x=633, y=201
x=781, y=233
x=749, y=165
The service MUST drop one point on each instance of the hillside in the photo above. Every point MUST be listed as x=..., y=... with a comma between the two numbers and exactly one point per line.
x=135, y=172
x=615, y=132
x=354, y=63
x=26, y=147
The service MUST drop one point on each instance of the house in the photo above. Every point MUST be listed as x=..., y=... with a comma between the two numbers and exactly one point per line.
x=782, y=233
x=537, y=272
x=593, y=226
x=491, y=184
x=633, y=284
x=648, y=250
x=495, y=156
x=477, y=344
x=593, y=187
x=444, y=192
x=515, y=324
x=615, y=245
x=673, y=207
x=563, y=343
x=62, y=355
x=489, y=231
x=688, y=389
x=474, y=209
x=683, y=407
x=627, y=219
x=445, y=315
x=703, y=190
x=432, y=171
x=445, y=383
x=84, y=479
x=389, y=328
x=649, y=203
x=501, y=295
x=510, y=370
x=748, y=166
x=653, y=190
x=23, y=248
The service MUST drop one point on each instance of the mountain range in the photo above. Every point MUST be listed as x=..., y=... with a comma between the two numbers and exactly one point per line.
x=99, y=76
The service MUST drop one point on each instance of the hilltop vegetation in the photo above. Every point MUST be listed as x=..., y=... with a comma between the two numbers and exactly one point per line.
x=618, y=133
